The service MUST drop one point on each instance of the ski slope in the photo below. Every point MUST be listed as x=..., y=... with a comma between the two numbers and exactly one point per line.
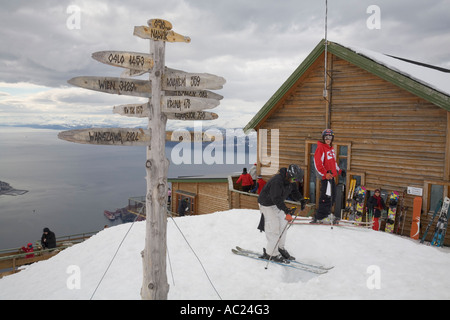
x=367, y=264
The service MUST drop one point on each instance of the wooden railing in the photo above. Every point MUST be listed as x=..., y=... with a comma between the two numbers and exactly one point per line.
x=12, y=259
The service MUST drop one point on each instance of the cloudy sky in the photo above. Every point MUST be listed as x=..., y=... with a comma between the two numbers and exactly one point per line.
x=254, y=44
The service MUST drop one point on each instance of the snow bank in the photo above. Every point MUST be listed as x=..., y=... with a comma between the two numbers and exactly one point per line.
x=367, y=264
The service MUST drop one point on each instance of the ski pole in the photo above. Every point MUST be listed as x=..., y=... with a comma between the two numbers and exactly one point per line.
x=287, y=226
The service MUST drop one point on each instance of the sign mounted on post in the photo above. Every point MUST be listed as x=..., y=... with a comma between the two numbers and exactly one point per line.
x=129, y=60
x=108, y=136
x=186, y=104
x=129, y=87
x=142, y=111
x=181, y=80
x=159, y=34
x=194, y=94
x=159, y=24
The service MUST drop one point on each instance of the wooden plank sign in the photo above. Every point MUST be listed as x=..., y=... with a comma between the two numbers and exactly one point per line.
x=195, y=115
x=142, y=111
x=108, y=136
x=195, y=94
x=129, y=87
x=129, y=60
x=159, y=24
x=181, y=80
x=159, y=34
x=186, y=104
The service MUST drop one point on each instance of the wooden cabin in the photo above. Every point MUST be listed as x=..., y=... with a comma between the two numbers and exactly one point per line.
x=390, y=116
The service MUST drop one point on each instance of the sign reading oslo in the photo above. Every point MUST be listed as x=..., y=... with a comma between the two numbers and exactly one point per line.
x=129, y=60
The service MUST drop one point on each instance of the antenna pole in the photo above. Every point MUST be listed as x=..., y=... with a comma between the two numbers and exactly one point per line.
x=325, y=92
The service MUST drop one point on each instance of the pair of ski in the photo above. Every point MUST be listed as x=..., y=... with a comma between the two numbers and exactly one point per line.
x=308, y=267
x=441, y=226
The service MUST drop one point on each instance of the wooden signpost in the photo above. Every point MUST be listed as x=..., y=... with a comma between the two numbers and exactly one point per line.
x=173, y=94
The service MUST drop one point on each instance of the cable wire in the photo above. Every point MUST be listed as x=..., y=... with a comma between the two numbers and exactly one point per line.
x=195, y=254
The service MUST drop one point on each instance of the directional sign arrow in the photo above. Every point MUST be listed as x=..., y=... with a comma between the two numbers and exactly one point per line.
x=186, y=104
x=195, y=115
x=195, y=94
x=129, y=87
x=142, y=111
x=159, y=24
x=108, y=136
x=129, y=60
x=181, y=80
x=159, y=34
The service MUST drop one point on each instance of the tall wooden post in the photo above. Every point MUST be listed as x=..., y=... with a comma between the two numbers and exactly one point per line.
x=155, y=285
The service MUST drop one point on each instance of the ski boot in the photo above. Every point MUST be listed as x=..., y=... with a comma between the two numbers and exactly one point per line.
x=285, y=254
x=278, y=258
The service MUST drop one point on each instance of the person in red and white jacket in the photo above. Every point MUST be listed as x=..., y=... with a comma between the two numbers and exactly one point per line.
x=327, y=167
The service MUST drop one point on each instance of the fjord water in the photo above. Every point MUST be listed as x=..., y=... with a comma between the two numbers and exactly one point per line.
x=70, y=185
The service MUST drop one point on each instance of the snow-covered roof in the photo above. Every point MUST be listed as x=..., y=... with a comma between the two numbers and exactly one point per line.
x=426, y=81
x=431, y=76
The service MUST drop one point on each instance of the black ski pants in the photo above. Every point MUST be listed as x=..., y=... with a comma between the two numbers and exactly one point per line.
x=326, y=202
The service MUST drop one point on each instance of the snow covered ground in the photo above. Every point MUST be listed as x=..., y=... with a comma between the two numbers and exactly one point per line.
x=367, y=264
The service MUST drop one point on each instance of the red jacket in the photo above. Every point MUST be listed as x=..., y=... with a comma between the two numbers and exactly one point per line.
x=325, y=160
x=28, y=249
x=261, y=184
x=246, y=179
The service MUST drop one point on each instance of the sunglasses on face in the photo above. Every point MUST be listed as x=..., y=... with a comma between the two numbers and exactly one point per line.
x=328, y=138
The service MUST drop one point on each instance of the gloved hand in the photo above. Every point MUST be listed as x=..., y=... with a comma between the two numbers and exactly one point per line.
x=288, y=218
x=329, y=176
x=289, y=213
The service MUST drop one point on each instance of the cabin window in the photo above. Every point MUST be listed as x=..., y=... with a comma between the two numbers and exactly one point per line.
x=434, y=191
x=181, y=195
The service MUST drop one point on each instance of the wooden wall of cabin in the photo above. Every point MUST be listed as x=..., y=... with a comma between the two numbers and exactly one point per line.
x=210, y=196
x=397, y=139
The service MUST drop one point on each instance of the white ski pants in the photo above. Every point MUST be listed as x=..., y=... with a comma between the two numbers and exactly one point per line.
x=274, y=224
